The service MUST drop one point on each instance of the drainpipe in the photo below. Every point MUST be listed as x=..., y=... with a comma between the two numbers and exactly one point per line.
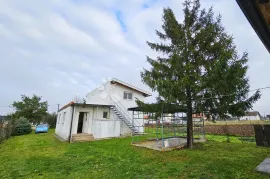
x=71, y=123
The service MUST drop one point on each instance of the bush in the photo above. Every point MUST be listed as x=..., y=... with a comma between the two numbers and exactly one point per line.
x=22, y=126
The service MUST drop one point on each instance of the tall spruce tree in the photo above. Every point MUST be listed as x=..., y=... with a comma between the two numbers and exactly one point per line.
x=198, y=66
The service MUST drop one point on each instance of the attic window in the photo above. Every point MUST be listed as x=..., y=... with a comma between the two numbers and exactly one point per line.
x=127, y=95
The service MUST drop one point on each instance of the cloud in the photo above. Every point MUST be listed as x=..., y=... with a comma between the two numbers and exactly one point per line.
x=62, y=48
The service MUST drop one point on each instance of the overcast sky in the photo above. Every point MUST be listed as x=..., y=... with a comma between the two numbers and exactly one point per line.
x=61, y=48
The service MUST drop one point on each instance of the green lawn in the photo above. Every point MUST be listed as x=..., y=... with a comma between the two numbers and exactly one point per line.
x=43, y=156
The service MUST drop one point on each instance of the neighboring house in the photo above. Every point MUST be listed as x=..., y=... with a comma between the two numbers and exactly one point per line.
x=104, y=114
x=253, y=115
x=268, y=117
x=199, y=116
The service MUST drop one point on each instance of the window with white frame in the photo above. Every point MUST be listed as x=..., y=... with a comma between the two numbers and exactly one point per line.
x=64, y=116
x=128, y=95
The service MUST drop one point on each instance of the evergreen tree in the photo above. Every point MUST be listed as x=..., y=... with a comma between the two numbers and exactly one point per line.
x=198, y=66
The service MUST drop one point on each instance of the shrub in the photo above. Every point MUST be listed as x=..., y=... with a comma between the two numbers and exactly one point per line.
x=22, y=126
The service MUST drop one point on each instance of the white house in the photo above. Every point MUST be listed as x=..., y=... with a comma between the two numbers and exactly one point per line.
x=254, y=115
x=104, y=114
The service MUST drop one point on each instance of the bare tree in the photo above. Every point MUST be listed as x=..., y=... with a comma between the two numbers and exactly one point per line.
x=78, y=99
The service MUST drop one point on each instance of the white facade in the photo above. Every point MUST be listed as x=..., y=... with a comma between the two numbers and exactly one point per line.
x=96, y=117
x=108, y=94
x=257, y=117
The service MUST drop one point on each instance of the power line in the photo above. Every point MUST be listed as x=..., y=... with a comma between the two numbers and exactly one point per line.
x=10, y=106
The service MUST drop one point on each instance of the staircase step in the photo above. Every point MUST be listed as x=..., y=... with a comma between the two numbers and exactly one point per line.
x=123, y=118
x=82, y=137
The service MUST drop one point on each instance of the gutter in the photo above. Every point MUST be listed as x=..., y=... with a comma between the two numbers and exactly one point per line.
x=256, y=20
x=71, y=123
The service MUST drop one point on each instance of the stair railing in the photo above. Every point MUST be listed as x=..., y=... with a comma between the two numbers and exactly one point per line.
x=120, y=108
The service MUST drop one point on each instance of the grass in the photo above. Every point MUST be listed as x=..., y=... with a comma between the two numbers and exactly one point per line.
x=43, y=156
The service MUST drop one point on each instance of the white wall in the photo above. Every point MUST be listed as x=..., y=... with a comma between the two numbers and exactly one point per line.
x=104, y=95
x=250, y=117
x=107, y=92
x=63, y=125
x=106, y=128
x=111, y=127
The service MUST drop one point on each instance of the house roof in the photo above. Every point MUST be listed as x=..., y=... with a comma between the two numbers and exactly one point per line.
x=258, y=14
x=81, y=104
x=145, y=93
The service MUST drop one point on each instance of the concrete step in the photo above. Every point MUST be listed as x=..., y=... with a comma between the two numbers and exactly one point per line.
x=82, y=137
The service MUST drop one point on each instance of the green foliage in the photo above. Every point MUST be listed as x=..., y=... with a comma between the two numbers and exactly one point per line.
x=22, y=126
x=31, y=108
x=198, y=66
x=43, y=156
x=157, y=107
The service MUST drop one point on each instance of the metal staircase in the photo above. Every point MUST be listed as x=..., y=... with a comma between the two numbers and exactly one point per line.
x=126, y=117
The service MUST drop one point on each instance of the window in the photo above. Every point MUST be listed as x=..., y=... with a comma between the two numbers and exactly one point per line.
x=64, y=116
x=105, y=115
x=59, y=118
x=127, y=95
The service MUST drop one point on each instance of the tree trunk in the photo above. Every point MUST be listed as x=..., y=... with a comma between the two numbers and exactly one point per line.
x=189, y=121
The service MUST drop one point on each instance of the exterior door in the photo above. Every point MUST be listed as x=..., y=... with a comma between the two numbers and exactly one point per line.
x=80, y=122
x=85, y=122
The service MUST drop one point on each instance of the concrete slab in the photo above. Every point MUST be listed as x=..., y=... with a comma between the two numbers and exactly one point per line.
x=169, y=144
x=264, y=167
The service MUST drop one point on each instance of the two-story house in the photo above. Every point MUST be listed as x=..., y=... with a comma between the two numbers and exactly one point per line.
x=103, y=115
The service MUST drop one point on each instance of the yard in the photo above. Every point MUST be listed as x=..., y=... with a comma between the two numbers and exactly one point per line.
x=43, y=156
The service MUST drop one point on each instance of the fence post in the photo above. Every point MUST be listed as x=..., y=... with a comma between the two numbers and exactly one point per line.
x=227, y=131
